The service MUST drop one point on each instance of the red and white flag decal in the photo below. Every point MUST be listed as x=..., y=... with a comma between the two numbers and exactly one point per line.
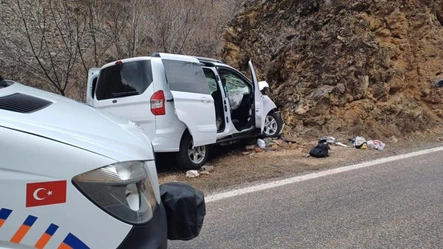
x=45, y=193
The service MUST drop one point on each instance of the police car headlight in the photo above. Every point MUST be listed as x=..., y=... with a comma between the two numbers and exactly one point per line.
x=123, y=190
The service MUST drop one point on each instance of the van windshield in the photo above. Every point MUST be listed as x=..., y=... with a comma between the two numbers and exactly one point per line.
x=122, y=80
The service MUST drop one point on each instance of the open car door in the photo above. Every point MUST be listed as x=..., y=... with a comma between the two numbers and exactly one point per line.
x=258, y=100
x=92, y=82
x=193, y=102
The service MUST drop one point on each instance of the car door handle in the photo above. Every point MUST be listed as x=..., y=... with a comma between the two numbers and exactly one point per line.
x=205, y=100
x=170, y=100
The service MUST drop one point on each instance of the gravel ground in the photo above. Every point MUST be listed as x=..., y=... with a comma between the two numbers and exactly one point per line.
x=235, y=166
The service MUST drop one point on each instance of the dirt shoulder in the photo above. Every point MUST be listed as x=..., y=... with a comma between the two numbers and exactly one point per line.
x=235, y=166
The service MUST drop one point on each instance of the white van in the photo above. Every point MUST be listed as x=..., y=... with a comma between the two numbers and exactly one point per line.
x=185, y=103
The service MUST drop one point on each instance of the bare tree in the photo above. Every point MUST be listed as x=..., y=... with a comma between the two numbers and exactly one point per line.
x=43, y=37
x=51, y=44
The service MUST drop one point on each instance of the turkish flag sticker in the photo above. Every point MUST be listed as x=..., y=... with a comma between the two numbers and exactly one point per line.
x=45, y=193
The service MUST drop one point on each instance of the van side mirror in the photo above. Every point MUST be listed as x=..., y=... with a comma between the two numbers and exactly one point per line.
x=264, y=87
x=263, y=84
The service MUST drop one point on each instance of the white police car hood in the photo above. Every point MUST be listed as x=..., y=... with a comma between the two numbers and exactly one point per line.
x=77, y=124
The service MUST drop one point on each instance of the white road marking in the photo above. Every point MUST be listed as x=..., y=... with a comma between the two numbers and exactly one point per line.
x=278, y=183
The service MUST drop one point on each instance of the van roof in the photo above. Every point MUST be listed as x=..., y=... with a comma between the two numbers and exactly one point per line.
x=204, y=60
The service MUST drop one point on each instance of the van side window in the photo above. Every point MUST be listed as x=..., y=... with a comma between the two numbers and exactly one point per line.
x=212, y=81
x=185, y=76
x=236, y=87
x=126, y=79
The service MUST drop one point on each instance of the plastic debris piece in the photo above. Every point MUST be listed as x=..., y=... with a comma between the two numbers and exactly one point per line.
x=328, y=139
x=192, y=173
x=376, y=144
x=261, y=143
x=358, y=142
x=207, y=168
x=250, y=147
x=340, y=144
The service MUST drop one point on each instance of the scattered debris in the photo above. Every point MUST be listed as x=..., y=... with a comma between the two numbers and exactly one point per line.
x=288, y=140
x=329, y=140
x=376, y=144
x=320, y=150
x=261, y=143
x=257, y=150
x=268, y=141
x=246, y=153
x=394, y=139
x=279, y=141
x=204, y=173
x=359, y=142
x=192, y=174
x=207, y=168
x=250, y=147
x=340, y=144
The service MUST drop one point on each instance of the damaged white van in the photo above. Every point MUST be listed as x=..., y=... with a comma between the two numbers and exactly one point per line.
x=185, y=103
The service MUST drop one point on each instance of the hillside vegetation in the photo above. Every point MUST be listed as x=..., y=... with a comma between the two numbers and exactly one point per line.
x=365, y=66
x=51, y=44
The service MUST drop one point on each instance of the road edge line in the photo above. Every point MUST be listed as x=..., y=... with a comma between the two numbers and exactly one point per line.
x=279, y=183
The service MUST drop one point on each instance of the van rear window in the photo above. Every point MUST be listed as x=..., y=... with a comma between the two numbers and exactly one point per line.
x=126, y=79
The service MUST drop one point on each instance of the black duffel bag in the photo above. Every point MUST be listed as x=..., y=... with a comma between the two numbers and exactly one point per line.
x=185, y=210
x=321, y=150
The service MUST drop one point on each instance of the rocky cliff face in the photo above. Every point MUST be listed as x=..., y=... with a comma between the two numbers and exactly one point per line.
x=362, y=66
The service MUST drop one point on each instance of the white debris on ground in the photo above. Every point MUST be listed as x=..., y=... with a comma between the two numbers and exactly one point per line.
x=207, y=168
x=204, y=170
x=192, y=174
x=261, y=143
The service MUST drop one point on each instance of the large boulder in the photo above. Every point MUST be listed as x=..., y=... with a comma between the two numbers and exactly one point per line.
x=366, y=66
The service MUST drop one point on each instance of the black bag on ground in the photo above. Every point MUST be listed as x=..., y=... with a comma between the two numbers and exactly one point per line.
x=320, y=150
x=185, y=210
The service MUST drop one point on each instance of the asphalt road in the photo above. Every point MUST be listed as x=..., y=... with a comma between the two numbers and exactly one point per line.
x=393, y=205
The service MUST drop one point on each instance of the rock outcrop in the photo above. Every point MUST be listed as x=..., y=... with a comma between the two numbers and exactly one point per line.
x=363, y=66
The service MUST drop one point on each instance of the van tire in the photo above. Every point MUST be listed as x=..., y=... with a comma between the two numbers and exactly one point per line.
x=191, y=159
x=273, y=125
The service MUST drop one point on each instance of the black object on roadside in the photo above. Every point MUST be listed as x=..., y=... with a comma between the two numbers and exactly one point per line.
x=289, y=141
x=320, y=150
x=185, y=210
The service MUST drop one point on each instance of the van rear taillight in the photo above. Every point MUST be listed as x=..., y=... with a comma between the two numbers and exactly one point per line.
x=158, y=103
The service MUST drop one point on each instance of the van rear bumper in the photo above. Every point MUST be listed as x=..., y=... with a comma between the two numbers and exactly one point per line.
x=152, y=235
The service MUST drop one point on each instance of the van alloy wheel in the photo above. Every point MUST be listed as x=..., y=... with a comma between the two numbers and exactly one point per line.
x=190, y=157
x=196, y=154
x=273, y=125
